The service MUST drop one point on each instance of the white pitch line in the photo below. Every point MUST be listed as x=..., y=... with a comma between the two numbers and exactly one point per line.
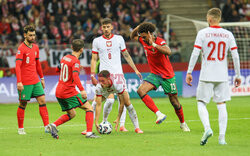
x=83, y=125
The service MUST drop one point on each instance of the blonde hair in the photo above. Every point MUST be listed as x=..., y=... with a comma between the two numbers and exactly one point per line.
x=215, y=13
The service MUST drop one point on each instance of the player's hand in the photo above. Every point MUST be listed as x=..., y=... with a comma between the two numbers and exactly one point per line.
x=150, y=38
x=84, y=94
x=138, y=74
x=116, y=122
x=189, y=79
x=97, y=127
x=94, y=80
x=20, y=86
x=237, y=82
x=43, y=83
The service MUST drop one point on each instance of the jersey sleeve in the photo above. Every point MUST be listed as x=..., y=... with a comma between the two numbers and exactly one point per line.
x=76, y=71
x=162, y=42
x=76, y=67
x=95, y=46
x=199, y=40
x=98, y=90
x=232, y=43
x=19, y=59
x=123, y=45
x=19, y=54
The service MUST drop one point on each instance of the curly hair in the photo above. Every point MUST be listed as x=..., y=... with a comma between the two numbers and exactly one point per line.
x=146, y=27
x=30, y=28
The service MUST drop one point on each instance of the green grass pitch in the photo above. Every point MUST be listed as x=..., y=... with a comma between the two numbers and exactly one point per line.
x=164, y=139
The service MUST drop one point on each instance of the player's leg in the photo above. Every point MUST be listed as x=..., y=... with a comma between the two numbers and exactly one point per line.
x=123, y=117
x=38, y=93
x=131, y=111
x=89, y=117
x=222, y=94
x=150, y=83
x=108, y=106
x=204, y=93
x=24, y=96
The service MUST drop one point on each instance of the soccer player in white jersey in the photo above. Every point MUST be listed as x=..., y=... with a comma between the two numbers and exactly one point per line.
x=214, y=42
x=109, y=84
x=108, y=48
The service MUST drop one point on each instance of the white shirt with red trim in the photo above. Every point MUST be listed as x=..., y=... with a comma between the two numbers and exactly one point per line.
x=109, y=51
x=117, y=86
x=213, y=42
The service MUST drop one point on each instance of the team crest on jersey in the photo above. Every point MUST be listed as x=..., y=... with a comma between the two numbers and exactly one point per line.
x=109, y=43
x=77, y=65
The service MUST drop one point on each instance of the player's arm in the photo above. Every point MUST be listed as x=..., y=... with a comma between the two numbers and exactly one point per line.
x=19, y=60
x=39, y=69
x=77, y=81
x=98, y=109
x=93, y=62
x=121, y=99
x=134, y=34
x=131, y=63
x=236, y=61
x=161, y=48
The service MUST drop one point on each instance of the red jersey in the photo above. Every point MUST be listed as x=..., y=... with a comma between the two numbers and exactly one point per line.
x=158, y=62
x=28, y=65
x=69, y=77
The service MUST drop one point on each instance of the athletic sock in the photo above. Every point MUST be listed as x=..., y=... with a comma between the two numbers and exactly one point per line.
x=64, y=118
x=149, y=103
x=222, y=120
x=203, y=113
x=94, y=106
x=124, y=113
x=107, y=108
x=133, y=116
x=44, y=114
x=89, y=120
x=20, y=116
x=179, y=113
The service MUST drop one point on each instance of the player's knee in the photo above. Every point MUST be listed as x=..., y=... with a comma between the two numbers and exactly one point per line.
x=72, y=114
x=89, y=108
x=41, y=100
x=23, y=104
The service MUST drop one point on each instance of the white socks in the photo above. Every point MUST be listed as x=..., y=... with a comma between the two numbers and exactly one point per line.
x=158, y=113
x=94, y=105
x=203, y=113
x=222, y=120
x=107, y=108
x=123, y=116
x=133, y=116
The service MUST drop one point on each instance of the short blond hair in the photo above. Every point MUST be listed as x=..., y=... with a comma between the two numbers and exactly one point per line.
x=215, y=13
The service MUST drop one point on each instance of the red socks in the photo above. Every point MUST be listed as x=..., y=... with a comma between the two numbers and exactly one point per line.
x=149, y=103
x=89, y=120
x=44, y=114
x=20, y=116
x=179, y=113
x=64, y=118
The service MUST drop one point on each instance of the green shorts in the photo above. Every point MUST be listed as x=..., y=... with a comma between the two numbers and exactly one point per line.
x=168, y=85
x=72, y=102
x=31, y=91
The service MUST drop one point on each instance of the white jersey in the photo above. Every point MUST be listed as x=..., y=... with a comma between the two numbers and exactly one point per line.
x=214, y=42
x=117, y=86
x=109, y=51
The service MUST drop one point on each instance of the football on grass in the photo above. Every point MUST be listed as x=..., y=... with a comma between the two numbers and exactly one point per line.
x=105, y=127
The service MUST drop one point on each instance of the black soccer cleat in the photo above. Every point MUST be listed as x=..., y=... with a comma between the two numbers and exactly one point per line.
x=54, y=131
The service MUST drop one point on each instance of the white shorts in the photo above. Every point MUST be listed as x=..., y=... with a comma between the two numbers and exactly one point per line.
x=218, y=90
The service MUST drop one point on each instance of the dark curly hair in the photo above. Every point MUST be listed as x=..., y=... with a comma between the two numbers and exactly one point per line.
x=146, y=27
x=30, y=28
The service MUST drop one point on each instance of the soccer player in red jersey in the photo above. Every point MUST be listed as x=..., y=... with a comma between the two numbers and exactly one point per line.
x=162, y=73
x=66, y=93
x=28, y=83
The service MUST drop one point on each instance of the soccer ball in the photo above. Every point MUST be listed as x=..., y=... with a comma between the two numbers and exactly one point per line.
x=105, y=127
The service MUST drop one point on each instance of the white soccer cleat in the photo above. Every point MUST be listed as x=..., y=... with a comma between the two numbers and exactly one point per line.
x=47, y=128
x=207, y=134
x=184, y=127
x=21, y=131
x=161, y=118
x=222, y=142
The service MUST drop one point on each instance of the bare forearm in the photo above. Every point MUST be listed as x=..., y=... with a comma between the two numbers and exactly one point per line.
x=93, y=66
x=163, y=49
x=129, y=60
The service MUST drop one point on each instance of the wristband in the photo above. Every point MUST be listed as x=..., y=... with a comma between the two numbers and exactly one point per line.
x=154, y=45
x=42, y=78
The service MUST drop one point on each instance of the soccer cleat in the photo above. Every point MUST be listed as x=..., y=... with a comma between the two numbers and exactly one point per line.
x=84, y=132
x=123, y=129
x=138, y=130
x=21, y=131
x=184, y=127
x=92, y=135
x=54, y=131
x=161, y=118
x=207, y=134
x=47, y=128
x=222, y=142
